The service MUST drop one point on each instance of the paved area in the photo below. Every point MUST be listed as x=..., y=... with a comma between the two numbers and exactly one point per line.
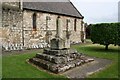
x=87, y=69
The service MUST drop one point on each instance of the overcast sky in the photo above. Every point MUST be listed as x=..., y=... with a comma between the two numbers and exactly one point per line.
x=98, y=11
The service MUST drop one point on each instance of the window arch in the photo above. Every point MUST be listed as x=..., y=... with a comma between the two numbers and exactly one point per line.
x=75, y=23
x=34, y=22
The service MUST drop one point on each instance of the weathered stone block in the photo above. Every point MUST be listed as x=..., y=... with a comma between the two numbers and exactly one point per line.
x=49, y=58
x=62, y=69
x=78, y=62
x=40, y=55
x=56, y=61
x=54, y=68
x=88, y=60
x=57, y=43
x=56, y=52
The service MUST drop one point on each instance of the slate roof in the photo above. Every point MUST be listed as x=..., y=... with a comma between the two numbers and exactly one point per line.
x=62, y=8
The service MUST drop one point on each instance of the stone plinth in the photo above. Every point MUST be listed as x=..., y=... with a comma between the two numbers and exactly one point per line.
x=59, y=57
x=57, y=43
x=59, y=60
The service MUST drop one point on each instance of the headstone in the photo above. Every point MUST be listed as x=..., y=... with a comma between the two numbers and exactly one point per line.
x=11, y=47
x=16, y=46
x=6, y=48
x=21, y=47
x=37, y=46
x=40, y=45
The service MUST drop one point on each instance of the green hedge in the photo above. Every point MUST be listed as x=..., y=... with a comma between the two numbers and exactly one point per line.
x=106, y=33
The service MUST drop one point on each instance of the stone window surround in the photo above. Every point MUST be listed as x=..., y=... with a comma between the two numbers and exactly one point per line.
x=34, y=17
x=75, y=24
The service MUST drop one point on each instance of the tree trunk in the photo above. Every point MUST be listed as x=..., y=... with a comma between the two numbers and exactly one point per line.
x=106, y=47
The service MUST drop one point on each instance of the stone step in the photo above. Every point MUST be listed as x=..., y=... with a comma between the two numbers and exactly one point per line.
x=62, y=59
x=55, y=52
x=52, y=58
x=41, y=62
x=64, y=53
x=57, y=68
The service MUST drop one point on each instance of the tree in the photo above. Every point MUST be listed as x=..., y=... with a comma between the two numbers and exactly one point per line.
x=88, y=31
x=106, y=34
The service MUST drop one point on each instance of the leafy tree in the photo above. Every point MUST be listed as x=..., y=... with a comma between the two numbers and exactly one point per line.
x=106, y=34
x=88, y=31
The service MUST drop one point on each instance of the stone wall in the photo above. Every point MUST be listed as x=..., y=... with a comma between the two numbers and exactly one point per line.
x=34, y=38
x=11, y=29
x=17, y=29
x=39, y=34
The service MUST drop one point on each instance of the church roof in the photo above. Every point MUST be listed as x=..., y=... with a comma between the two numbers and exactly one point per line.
x=62, y=8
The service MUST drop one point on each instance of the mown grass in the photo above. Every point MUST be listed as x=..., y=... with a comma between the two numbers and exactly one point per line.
x=97, y=50
x=15, y=66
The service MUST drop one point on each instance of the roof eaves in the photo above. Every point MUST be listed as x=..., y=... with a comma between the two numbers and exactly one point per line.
x=77, y=10
x=53, y=13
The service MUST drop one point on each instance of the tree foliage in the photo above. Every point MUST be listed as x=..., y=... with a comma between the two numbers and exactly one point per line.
x=106, y=34
x=88, y=31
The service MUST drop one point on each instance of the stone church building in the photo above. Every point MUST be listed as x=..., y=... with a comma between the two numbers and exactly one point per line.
x=33, y=24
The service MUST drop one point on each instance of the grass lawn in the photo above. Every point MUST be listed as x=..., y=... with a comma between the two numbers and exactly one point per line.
x=97, y=50
x=15, y=66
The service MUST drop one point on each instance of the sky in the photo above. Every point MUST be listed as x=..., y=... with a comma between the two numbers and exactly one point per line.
x=98, y=11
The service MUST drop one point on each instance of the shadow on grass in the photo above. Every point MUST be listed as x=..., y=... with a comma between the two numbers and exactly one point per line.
x=101, y=49
x=96, y=48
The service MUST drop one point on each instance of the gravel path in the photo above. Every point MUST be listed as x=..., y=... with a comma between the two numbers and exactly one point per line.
x=87, y=69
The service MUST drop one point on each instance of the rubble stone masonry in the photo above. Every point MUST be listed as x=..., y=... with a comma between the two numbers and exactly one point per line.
x=18, y=32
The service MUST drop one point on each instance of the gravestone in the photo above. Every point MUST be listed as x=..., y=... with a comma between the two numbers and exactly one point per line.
x=59, y=57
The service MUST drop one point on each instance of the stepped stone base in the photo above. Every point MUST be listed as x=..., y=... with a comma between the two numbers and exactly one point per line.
x=59, y=60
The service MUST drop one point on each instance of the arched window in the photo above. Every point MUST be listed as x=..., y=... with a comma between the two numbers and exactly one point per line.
x=67, y=24
x=75, y=23
x=34, y=22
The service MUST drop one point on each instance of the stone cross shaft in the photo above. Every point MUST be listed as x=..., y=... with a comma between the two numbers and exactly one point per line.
x=59, y=31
